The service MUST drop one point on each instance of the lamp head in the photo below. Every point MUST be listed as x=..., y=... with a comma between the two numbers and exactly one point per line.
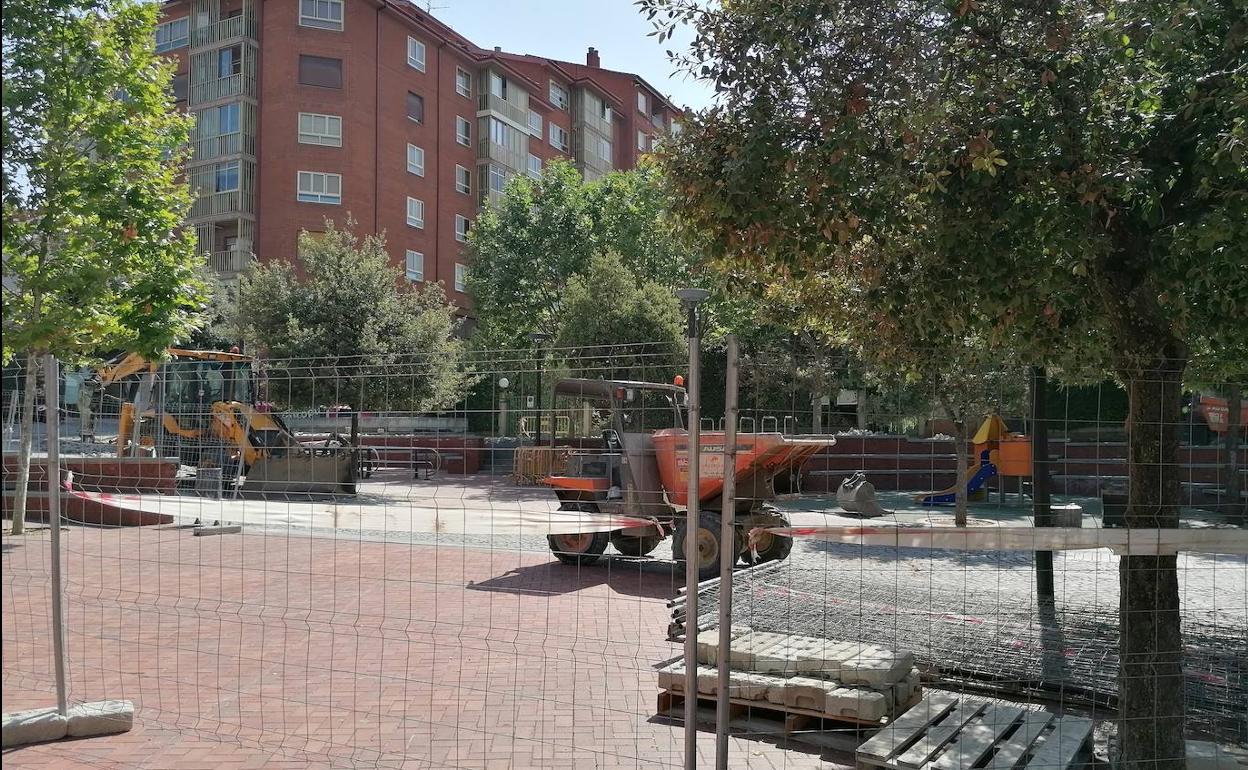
x=692, y=296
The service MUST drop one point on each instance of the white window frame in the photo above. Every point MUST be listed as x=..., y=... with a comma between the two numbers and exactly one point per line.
x=415, y=213
x=556, y=129
x=610, y=156
x=461, y=277
x=417, y=257
x=322, y=22
x=535, y=128
x=558, y=95
x=415, y=160
x=531, y=169
x=641, y=141
x=173, y=43
x=310, y=133
x=238, y=176
x=492, y=172
x=462, y=174
x=414, y=46
x=461, y=229
x=463, y=137
x=463, y=88
x=309, y=194
x=643, y=103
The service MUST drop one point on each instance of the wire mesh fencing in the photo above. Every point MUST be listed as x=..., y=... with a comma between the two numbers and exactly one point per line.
x=392, y=562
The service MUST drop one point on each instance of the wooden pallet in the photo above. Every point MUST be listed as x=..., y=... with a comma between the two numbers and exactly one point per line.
x=951, y=732
x=795, y=719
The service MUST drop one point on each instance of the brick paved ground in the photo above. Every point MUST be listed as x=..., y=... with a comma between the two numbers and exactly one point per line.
x=265, y=651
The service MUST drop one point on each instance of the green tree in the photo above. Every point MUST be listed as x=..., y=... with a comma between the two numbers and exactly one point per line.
x=351, y=329
x=94, y=254
x=1065, y=179
x=526, y=247
x=617, y=327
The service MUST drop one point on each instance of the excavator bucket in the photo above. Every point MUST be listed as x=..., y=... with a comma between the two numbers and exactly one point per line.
x=321, y=472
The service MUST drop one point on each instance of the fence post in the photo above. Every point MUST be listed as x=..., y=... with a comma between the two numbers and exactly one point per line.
x=690, y=298
x=1042, y=514
x=727, y=556
x=52, y=400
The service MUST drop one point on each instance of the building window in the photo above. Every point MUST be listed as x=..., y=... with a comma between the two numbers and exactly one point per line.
x=463, y=82
x=558, y=95
x=415, y=213
x=181, y=83
x=604, y=150
x=463, y=180
x=227, y=118
x=415, y=54
x=415, y=107
x=643, y=104
x=322, y=14
x=463, y=131
x=173, y=34
x=498, y=86
x=498, y=178
x=461, y=277
x=415, y=266
x=461, y=229
x=502, y=133
x=320, y=71
x=641, y=141
x=316, y=187
x=535, y=123
x=230, y=61
x=415, y=160
x=320, y=129
x=558, y=137
x=226, y=177
x=674, y=128
x=535, y=166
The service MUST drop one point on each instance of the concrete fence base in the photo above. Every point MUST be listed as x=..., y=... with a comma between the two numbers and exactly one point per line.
x=84, y=720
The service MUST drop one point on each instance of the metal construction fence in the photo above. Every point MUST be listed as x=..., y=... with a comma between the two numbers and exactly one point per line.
x=405, y=562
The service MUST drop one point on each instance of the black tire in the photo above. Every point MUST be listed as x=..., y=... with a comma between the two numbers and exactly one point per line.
x=582, y=549
x=708, y=544
x=631, y=545
x=770, y=547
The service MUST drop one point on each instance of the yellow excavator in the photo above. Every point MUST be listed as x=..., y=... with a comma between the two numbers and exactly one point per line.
x=200, y=406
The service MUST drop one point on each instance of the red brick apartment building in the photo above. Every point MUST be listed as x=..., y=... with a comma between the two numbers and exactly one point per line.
x=308, y=109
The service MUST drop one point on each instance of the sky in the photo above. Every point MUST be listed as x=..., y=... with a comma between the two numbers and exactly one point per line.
x=564, y=29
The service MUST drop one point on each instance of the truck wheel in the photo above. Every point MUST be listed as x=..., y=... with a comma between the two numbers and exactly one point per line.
x=631, y=545
x=770, y=547
x=707, y=541
x=578, y=549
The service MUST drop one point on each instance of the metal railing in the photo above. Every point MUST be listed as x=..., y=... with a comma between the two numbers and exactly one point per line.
x=492, y=103
x=220, y=88
x=230, y=260
x=226, y=29
x=209, y=147
x=216, y=204
x=496, y=153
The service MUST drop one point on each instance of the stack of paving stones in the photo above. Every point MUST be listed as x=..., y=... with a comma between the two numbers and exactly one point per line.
x=845, y=680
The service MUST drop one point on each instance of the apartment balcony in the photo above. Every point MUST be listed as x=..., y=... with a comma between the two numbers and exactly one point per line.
x=223, y=145
x=226, y=30
x=221, y=204
x=596, y=123
x=231, y=261
x=223, y=88
x=490, y=103
x=515, y=162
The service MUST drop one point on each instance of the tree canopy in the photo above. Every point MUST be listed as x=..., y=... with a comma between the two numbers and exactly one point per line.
x=527, y=246
x=351, y=329
x=1064, y=180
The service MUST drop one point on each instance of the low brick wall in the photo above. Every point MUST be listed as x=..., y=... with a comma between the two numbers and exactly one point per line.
x=123, y=475
x=83, y=511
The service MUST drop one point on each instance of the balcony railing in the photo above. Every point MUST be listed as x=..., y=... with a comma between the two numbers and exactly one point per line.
x=505, y=108
x=495, y=153
x=230, y=261
x=226, y=29
x=220, y=88
x=596, y=123
x=210, y=147
x=218, y=204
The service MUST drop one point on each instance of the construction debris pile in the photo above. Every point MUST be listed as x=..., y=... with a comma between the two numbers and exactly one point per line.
x=836, y=679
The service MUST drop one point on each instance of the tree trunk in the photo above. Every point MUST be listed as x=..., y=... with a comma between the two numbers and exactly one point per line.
x=27, y=443
x=959, y=495
x=1234, y=396
x=1150, y=678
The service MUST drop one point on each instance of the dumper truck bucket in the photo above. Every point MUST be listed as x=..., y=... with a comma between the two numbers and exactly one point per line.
x=321, y=472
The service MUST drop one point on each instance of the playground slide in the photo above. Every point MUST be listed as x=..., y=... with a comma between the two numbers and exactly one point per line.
x=985, y=471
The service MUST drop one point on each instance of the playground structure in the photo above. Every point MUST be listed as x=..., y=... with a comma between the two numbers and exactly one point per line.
x=999, y=452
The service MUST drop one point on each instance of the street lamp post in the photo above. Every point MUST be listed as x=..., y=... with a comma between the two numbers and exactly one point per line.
x=537, y=338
